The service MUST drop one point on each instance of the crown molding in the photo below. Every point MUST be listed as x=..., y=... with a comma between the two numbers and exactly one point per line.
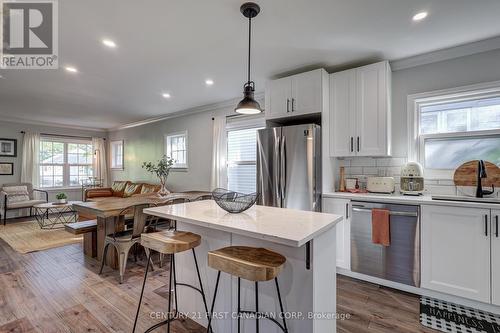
x=54, y=125
x=447, y=54
x=198, y=109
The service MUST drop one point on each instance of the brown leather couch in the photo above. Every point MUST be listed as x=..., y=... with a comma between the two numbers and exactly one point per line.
x=120, y=189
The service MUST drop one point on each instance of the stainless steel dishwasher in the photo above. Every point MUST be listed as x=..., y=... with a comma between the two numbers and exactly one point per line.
x=399, y=262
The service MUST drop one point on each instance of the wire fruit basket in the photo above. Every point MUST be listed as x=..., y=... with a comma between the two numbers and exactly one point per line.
x=234, y=202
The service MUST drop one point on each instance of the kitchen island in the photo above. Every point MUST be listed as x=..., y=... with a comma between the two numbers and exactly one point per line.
x=307, y=283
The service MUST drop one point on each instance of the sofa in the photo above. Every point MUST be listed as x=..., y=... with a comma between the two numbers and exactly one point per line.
x=120, y=189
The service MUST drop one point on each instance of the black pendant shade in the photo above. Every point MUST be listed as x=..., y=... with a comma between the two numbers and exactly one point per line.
x=248, y=105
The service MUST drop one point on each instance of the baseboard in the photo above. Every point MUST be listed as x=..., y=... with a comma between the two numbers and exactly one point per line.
x=421, y=291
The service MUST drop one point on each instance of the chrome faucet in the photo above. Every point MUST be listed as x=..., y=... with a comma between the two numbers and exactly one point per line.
x=481, y=173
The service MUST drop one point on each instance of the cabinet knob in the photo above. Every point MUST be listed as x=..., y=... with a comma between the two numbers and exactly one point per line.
x=287, y=105
x=293, y=104
x=486, y=225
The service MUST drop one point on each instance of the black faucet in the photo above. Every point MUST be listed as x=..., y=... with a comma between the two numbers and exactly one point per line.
x=481, y=173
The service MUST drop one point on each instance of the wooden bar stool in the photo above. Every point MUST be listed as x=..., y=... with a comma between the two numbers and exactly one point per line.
x=249, y=263
x=170, y=242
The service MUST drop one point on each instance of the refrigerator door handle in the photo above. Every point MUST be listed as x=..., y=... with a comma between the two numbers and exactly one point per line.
x=283, y=168
x=277, y=171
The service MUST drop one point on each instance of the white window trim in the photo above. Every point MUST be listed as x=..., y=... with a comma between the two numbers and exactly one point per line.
x=416, y=101
x=65, y=165
x=177, y=166
x=112, y=157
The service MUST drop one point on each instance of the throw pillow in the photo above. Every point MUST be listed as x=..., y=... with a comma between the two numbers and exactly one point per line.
x=149, y=188
x=131, y=189
x=16, y=194
x=118, y=188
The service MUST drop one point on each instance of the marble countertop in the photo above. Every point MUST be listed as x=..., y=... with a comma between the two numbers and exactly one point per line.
x=406, y=199
x=279, y=225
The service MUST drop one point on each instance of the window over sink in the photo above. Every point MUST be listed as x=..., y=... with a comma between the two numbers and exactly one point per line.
x=450, y=127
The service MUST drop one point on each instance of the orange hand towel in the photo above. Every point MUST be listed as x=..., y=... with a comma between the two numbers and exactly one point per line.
x=381, y=233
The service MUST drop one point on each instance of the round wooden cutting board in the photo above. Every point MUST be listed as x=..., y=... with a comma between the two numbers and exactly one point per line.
x=466, y=174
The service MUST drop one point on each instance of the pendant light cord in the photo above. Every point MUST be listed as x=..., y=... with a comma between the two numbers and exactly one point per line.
x=249, y=44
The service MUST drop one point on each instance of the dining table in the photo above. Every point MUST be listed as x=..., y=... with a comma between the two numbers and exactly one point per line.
x=110, y=215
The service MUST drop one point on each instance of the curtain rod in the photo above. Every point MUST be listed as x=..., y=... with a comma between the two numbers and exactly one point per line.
x=64, y=136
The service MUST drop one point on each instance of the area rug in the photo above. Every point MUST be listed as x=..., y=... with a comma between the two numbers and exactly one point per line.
x=25, y=237
x=453, y=318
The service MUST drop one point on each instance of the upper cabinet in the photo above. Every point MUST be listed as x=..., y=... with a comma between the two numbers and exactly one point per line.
x=360, y=111
x=295, y=95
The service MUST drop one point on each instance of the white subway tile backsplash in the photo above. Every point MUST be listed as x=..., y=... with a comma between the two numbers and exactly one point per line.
x=363, y=161
x=354, y=170
x=440, y=190
x=370, y=171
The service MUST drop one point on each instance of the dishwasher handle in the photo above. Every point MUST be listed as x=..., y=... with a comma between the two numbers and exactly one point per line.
x=392, y=212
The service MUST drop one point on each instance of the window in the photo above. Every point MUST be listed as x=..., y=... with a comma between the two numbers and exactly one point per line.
x=64, y=162
x=242, y=158
x=117, y=154
x=456, y=126
x=176, y=148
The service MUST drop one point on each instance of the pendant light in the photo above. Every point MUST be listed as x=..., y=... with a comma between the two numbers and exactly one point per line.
x=248, y=105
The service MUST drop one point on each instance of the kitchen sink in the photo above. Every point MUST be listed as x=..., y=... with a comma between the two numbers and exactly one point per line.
x=495, y=200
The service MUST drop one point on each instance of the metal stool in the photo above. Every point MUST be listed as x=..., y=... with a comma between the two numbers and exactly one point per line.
x=170, y=242
x=249, y=263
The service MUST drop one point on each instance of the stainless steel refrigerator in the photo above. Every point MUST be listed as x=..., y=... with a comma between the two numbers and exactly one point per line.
x=289, y=167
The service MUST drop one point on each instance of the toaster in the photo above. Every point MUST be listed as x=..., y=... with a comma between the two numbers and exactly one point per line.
x=380, y=184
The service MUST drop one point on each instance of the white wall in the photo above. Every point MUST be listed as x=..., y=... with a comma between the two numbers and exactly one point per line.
x=12, y=130
x=145, y=143
x=477, y=68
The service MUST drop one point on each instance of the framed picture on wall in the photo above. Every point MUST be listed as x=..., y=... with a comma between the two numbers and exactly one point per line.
x=8, y=147
x=6, y=169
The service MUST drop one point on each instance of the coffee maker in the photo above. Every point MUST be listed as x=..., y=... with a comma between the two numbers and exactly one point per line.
x=412, y=179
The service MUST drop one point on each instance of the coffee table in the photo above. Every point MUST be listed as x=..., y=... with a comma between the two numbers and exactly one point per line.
x=54, y=216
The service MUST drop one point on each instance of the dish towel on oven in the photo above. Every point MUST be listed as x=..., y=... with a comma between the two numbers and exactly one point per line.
x=381, y=227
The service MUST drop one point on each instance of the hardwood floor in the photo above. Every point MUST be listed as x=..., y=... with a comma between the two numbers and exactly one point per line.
x=59, y=290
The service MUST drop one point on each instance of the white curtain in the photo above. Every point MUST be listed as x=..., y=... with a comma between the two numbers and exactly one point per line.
x=99, y=163
x=219, y=172
x=30, y=172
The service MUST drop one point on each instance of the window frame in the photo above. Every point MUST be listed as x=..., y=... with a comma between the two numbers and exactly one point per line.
x=416, y=141
x=112, y=158
x=167, y=148
x=66, y=166
x=241, y=123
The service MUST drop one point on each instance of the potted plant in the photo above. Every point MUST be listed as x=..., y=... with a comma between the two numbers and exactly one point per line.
x=161, y=170
x=61, y=198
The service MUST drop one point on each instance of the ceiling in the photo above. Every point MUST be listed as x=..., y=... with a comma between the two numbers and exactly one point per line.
x=173, y=46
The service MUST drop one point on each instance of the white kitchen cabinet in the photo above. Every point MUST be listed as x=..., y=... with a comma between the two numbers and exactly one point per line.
x=341, y=207
x=296, y=95
x=278, y=98
x=495, y=257
x=456, y=251
x=342, y=118
x=360, y=111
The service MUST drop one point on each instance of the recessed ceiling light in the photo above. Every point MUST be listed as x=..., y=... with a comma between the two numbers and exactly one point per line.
x=209, y=82
x=420, y=16
x=166, y=95
x=71, y=69
x=109, y=43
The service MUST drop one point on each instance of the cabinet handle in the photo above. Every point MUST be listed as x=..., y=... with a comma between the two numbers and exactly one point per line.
x=347, y=214
x=287, y=105
x=496, y=226
x=358, y=144
x=352, y=144
x=293, y=104
x=486, y=225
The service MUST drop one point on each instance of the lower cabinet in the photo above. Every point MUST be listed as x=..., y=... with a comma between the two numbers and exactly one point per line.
x=495, y=257
x=341, y=207
x=456, y=252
